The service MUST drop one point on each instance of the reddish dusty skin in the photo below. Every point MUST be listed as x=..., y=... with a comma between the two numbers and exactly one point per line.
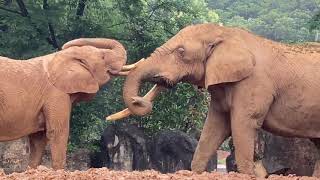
x=254, y=83
x=36, y=95
x=104, y=173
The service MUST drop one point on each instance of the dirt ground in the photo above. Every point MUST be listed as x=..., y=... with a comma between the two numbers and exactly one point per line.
x=103, y=173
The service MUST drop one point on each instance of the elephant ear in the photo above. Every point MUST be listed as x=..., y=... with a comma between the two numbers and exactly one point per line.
x=228, y=63
x=71, y=74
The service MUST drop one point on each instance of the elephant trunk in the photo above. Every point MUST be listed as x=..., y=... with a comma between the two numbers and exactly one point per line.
x=100, y=43
x=131, y=87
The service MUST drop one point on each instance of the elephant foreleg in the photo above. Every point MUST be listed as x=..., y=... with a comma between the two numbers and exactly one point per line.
x=57, y=112
x=38, y=143
x=247, y=116
x=216, y=129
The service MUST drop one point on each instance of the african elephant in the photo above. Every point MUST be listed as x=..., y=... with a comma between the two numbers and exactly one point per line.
x=36, y=95
x=254, y=83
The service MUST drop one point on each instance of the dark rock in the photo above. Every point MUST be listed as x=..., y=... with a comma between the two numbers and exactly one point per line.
x=123, y=147
x=289, y=155
x=173, y=150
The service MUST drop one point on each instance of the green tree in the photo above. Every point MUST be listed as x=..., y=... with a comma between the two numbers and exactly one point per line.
x=280, y=20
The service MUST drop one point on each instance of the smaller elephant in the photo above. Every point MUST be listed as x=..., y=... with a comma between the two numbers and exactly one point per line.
x=36, y=95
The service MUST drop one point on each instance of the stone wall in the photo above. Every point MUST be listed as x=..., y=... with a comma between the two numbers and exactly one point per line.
x=78, y=160
x=14, y=155
x=126, y=147
x=122, y=147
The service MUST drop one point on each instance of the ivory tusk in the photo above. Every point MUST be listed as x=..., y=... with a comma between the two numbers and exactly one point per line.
x=119, y=115
x=153, y=92
x=150, y=96
x=123, y=73
x=131, y=66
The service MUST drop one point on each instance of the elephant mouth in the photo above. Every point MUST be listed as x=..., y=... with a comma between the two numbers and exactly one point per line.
x=162, y=81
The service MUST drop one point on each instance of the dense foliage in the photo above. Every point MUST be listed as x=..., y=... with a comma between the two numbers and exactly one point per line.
x=280, y=20
x=38, y=27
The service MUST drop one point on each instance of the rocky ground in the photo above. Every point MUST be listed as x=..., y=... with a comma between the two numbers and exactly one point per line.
x=103, y=173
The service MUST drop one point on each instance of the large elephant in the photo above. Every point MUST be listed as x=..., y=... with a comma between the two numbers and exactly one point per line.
x=36, y=95
x=254, y=83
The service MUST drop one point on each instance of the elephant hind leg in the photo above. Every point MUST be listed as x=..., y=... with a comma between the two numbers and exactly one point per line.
x=316, y=169
x=247, y=116
x=38, y=142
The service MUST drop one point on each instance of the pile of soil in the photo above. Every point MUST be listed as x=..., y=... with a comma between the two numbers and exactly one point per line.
x=103, y=173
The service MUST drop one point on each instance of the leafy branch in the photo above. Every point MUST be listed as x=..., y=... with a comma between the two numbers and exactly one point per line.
x=52, y=38
x=24, y=13
x=9, y=10
x=81, y=7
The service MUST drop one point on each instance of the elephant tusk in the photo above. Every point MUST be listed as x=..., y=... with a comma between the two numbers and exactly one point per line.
x=150, y=96
x=123, y=73
x=119, y=115
x=131, y=66
x=153, y=92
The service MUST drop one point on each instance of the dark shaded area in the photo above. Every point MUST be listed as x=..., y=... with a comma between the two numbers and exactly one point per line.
x=126, y=147
x=172, y=150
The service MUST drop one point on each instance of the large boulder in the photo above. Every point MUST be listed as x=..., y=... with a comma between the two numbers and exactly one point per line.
x=171, y=151
x=123, y=147
x=289, y=155
x=281, y=155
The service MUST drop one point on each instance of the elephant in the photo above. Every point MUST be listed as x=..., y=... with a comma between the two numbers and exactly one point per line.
x=254, y=83
x=36, y=95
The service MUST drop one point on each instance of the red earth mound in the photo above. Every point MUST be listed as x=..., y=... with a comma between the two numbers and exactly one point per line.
x=103, y=173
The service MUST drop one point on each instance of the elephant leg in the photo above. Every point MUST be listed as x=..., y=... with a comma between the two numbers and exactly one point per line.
x=216, y=129
x=243, y=140
x=316, y=169
x=57, y=113
x=247, y=116
x=38, y=142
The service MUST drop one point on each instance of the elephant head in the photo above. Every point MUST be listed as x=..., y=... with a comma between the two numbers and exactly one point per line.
x=203, y=55
x=85, y=64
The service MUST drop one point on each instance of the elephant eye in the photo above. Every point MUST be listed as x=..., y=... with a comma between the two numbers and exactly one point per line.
x=181, y=51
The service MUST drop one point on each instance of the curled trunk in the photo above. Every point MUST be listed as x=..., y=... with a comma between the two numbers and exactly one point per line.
x=131, y=88
x=144, y=71
x=99, y=43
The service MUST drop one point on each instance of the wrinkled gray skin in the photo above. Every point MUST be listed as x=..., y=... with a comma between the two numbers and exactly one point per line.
x=254, y=83
x=36, y=95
